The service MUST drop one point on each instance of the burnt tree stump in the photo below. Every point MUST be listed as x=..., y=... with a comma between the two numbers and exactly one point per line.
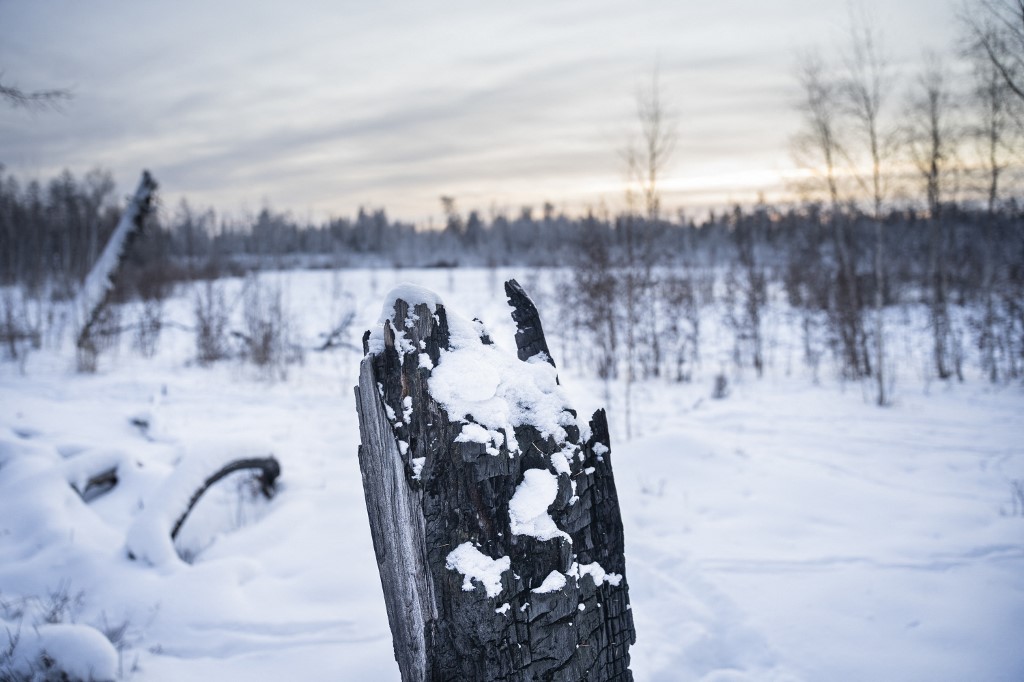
x=493, y=509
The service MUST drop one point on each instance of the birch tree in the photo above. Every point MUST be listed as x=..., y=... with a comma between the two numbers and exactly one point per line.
x=867, y=89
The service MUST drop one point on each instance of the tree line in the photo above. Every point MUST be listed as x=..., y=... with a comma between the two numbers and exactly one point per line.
x=647, y=277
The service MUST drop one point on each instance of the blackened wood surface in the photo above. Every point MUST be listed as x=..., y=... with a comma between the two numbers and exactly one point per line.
x=529, y=333
x=441, y=632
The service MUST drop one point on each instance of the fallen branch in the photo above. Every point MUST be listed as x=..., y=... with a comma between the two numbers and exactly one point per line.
x=151, y=536
x=268, y=467
x=335, y=338
x=95, y=295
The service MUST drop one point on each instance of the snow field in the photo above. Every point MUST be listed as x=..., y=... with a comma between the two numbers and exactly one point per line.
x=789, y=532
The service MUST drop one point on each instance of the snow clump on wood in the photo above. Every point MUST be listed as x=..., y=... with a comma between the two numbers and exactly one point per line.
x=475, y=565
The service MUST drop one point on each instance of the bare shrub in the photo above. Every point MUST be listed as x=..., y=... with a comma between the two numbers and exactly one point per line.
x=267, y=338
x=682, y=327
x=19, y=330
x=721, y=388
x=124, y=635
x=148, y=327
x=746, y=297
x=102, y=335
x=60, y=605
x=211, y=315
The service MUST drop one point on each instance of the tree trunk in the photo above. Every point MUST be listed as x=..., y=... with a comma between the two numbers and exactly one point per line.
x=471, y=592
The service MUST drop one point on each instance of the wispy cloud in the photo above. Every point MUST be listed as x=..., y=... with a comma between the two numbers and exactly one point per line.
x=325, y=106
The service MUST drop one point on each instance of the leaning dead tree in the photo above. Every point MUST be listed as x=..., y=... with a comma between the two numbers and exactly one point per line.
x=96, y=293
x=493, y=510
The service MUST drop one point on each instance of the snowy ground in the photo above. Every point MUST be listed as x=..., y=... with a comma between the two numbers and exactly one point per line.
x=789, y=532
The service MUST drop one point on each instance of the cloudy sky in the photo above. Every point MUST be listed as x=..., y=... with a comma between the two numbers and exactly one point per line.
x=319, y=107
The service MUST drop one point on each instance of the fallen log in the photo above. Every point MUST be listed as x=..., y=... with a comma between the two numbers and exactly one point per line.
x=493, y=510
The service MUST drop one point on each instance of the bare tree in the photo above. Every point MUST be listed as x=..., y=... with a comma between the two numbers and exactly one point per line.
x=647, y=159
x=996, y=29
x=746, y=292
x=645, y=162
x=994, y=110
x=819, y=149
x=930, y=131
x=867, y=88
x=932, y=141
x=996, y=140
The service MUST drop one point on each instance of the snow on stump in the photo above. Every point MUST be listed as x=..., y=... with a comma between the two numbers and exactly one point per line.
x=493, y=510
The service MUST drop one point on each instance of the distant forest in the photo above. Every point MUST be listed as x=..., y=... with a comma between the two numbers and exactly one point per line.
x=51, y=234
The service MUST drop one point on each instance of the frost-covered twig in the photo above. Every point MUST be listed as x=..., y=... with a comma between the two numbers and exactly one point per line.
x=336, y=337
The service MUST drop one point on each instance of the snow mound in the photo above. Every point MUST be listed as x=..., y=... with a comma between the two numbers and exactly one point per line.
x=82, y=652
x=80, y=468
x=411, y=294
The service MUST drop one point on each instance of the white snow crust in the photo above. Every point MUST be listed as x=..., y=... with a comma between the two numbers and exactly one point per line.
x=474, y=433
x=412, y=294
x=81, y=651
x=552, y=583
x=528, y=508
x=475, y=565
x=775, y=536
x=497, y=389
x=596, y=573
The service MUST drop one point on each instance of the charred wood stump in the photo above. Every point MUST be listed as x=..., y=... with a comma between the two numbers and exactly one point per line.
x=493, y=509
